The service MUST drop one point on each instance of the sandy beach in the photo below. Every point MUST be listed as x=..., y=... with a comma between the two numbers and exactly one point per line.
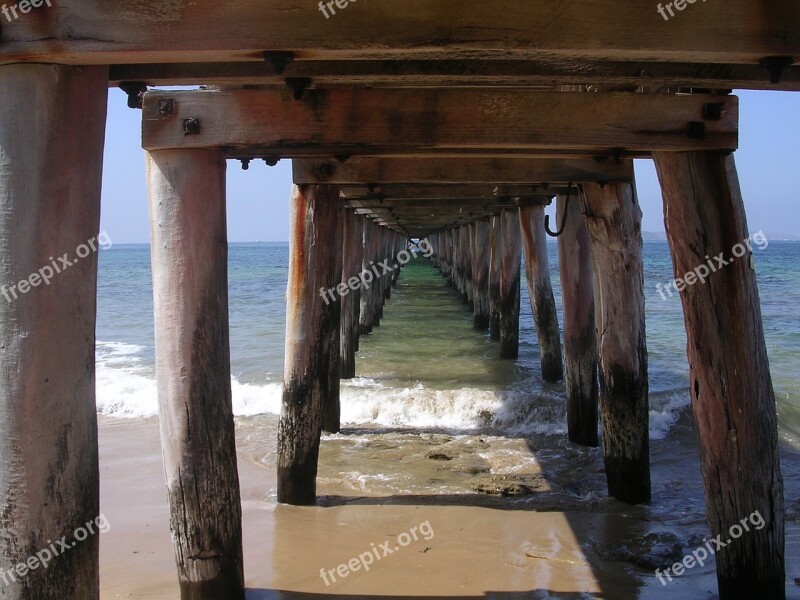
x=493, y=548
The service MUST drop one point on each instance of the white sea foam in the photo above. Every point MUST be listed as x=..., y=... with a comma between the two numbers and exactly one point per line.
x=664, y=412
x=126, y=388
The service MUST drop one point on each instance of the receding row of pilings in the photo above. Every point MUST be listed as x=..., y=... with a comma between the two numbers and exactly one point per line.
x=601, y=271
x=322, y=334
x=50, y=173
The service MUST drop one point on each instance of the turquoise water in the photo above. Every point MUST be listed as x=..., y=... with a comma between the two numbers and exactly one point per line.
x=425, y=367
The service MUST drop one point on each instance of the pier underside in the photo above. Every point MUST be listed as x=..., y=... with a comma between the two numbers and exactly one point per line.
x=450, y=123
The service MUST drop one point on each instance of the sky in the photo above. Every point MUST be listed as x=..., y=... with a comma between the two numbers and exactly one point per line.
x=768, y=162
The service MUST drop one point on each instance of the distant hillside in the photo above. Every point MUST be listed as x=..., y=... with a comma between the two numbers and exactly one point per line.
x=650, y=236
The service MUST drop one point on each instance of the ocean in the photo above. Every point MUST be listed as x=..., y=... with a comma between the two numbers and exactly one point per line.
x=434, y=416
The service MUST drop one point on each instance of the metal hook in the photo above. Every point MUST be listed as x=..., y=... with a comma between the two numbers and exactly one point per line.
x=550, y=232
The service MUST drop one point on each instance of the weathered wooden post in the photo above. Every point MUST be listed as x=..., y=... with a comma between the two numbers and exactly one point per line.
x=495, y=255
x=358, y=260
x=732, y=397
x=613, y=219
x=466, y=254
x=580, y=349
x=481, y=255
x=312, y=334
x=366, y=317
x=52, y=125
x=540, y=290
x=351, y=300
x=450, y=270
x=190, y=297
x=508, y=306
x=331, y=408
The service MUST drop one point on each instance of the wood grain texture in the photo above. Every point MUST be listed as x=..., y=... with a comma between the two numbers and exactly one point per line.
x=343, y=121
x=312, y=335
x=481, y=255
x=540, y=291
x=509, y=293
x=331, y=410
x=613, y=219
x=732, y=396
x=580, y=347
x=52, y=125
x=116, y=31
x=351, y=302
x=458, y=170
x=190, y=298
x=544, y=73
x=495, y=257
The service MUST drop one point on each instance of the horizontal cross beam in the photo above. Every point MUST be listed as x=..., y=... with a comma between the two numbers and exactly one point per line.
x=205, y=31
x=534, y=72
x=457, y=170
x=345, y=121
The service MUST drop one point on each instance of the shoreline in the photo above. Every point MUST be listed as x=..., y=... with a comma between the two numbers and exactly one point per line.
x=505, y=551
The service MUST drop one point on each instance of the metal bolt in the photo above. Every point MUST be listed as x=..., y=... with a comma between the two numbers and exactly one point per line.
x=166, y=106
x=713, y=111
x=191, y=126
x=245, y=163
x=697, y=130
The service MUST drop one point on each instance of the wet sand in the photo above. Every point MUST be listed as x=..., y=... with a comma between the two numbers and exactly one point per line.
x=480, y=547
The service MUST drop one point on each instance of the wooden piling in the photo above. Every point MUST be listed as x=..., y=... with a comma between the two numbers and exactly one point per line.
x=312, y=328
x=351, y=300
x=540, y=290
x=52, y=125
x=731, y=389
x=366, y=317
x=613, y=219
x=331, y=407
x=190, y=298
x=580, y=349
x=494, y=277
x=481, y=255
x=509, y=300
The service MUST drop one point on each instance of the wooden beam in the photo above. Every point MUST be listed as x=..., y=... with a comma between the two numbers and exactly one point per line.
x=116, y=32
x=51, y=163
x=363, y=121
x=613, y=219
x=412, y=72
x=481, y=254
x=540, y=291
x=456, y=192
x=509, y=291
x=190, y=288
x=732, y=396
x=312, y=334
x=460, y=170
x=351, y=262
x=580, y=348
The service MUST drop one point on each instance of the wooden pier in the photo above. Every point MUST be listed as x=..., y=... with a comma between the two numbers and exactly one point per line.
x=400, y=128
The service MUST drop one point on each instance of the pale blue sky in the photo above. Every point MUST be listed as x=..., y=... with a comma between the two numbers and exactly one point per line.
x=258, y=199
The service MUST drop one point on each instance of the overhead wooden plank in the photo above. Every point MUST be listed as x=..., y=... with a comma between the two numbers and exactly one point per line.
x=446, y=203
x=363, y=121
x=449, y=191
x=120, y=32
x=459, y=170
x=548, y=72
